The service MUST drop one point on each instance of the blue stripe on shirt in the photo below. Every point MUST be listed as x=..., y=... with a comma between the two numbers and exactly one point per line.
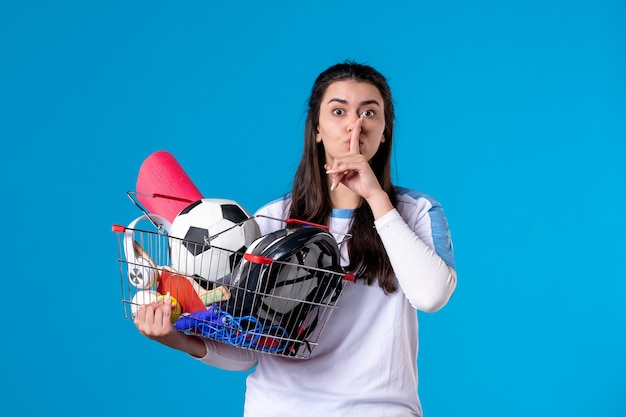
x=342, y=213
x=439, y=226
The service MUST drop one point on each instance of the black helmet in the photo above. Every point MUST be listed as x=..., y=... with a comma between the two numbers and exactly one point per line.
x=283, y=277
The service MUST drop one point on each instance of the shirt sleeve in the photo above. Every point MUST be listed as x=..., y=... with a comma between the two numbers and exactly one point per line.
x=424, y=276
x=229, y=358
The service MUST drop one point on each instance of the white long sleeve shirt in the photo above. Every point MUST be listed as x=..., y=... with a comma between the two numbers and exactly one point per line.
x=365, y=364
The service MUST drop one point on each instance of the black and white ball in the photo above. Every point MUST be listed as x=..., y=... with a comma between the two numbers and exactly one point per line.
x=208, y=237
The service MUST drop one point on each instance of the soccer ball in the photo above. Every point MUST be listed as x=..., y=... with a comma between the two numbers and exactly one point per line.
x=208, y=237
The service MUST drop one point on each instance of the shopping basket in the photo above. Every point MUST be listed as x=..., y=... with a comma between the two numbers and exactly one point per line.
x=274, y=297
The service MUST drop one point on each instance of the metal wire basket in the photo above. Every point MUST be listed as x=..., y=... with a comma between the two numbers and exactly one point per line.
x=271, y=298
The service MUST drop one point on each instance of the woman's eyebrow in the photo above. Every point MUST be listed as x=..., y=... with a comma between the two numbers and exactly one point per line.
x=368, y=102
x=363, y=103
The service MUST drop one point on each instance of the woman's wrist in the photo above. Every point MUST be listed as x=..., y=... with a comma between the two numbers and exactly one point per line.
x=194, y=346
x=379, y=203
x=189, y=344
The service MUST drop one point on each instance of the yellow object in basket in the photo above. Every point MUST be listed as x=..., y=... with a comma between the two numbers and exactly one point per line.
x=176, y=308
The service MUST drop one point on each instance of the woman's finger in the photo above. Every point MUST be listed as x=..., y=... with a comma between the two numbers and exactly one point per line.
x=355, y=146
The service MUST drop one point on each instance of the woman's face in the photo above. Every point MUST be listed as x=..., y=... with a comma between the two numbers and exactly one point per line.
x=343, y=103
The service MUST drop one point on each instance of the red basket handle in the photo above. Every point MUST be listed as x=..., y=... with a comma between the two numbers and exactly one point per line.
x=118, y=228
x=303, y=223
x=349, y=277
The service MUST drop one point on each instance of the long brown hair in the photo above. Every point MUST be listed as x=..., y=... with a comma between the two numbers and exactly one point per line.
x=311, y=196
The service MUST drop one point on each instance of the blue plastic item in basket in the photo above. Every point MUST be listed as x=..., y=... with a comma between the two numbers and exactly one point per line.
x=217, y=324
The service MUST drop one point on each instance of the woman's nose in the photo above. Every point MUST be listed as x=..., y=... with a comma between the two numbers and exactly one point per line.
x=352, y=122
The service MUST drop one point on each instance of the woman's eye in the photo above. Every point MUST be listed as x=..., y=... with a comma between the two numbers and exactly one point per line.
x=338, y=112
x=368, y=113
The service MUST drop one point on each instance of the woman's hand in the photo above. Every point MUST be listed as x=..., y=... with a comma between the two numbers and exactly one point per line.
x=155, y=322
x=354, y=171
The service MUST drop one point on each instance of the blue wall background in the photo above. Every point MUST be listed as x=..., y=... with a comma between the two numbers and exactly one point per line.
x=512, y=114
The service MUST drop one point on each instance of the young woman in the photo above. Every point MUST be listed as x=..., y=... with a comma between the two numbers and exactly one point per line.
x=400, y=252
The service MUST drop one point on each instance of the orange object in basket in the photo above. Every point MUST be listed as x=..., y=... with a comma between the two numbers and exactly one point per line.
x=181, y=289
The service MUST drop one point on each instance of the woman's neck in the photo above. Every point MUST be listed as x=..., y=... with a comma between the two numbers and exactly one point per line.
x=344, y=198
